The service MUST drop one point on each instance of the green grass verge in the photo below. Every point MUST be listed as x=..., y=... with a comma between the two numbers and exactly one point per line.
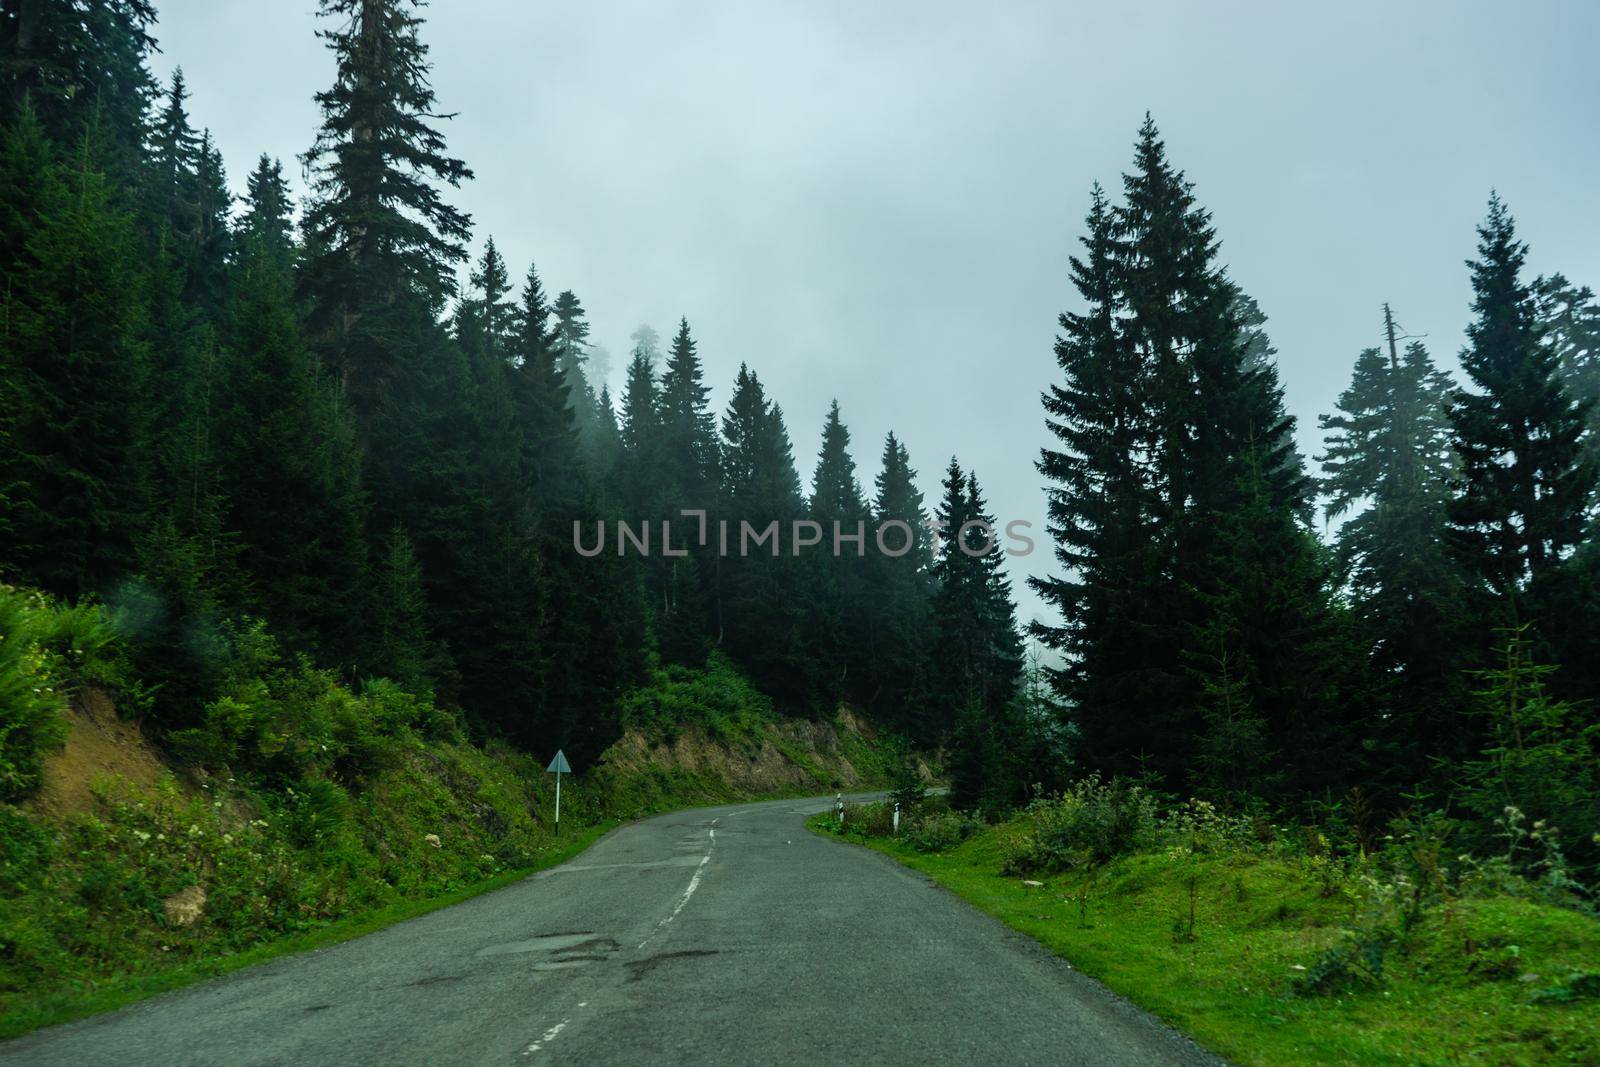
x=64, y=1006
x=1479, y=981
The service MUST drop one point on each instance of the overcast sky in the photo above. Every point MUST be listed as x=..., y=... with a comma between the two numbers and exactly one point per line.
x=876, y=201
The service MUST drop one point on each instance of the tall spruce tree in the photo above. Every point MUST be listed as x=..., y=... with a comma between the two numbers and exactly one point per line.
x=1389, y=460
x=685, y=587
x=379, y=235
x=1525, y=482
x=688, y=430
x=899, y=587
x=835, y=572
x=73, y=365
x=977, y=652
x=640, y=431
x=1103, y=505
x=290, y=471
x=549, y=431
x=572, y=354
x=763, y=615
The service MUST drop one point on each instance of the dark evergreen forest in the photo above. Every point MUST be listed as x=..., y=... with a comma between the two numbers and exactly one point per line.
x=228, y=417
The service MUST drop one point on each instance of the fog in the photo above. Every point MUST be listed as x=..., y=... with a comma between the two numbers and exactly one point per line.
x=876, y=202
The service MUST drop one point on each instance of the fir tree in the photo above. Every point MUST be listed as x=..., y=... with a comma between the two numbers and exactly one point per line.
x=77, y=64
x=290, y=470
x=977, y=651
x=640, y=436
x=899, y=594
x=759, y=593
x=73, y=366
x=1103, y=504
x=1525, y=483
x=835, y=572
x=571, y=354
x=378, y=231
x=1569, y=321
x=544, y=411
x=1390, y=460
x=688, y=430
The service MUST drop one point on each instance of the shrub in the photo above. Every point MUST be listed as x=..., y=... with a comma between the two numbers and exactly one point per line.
x=869, y=820
x=717, y=699
x=1088, y=825
x=939, y=831
x=301, y=723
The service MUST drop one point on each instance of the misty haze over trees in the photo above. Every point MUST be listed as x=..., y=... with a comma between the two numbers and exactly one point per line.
x=227, y=419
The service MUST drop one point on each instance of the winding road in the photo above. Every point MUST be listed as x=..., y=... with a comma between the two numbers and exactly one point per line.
x=716, y=935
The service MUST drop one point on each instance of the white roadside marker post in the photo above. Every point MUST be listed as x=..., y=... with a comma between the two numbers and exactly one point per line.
x=560, y=766
x=897, y=818
x=838, y=806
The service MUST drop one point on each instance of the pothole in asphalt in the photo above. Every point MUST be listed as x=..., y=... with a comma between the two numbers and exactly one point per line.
x=435, y=979
x=542, y=943
x=639, y=968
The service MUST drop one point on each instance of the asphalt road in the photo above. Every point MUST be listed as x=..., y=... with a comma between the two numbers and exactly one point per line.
x=719, y=935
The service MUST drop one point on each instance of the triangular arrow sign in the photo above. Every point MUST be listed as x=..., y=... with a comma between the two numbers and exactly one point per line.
x=560, y=764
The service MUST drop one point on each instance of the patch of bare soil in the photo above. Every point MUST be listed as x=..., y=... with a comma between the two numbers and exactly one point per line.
x=98, y=743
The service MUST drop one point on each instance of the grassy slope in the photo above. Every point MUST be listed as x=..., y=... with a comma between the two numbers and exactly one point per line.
x=1462, y=994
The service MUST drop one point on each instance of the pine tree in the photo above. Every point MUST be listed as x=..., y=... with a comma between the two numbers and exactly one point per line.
x=1569, y=321
x=544, y=411
x=1103, y=505
x=378, y=232
x=290, y=470
x=759, y=594
x=688, y=430
x=1389, y=459
x=1525, y=482
x=72, y=365
x=188, y=201
x=572, y=353
x=77, y=64
x=173, y=151
x=640, y=434
x=977, y=651
x=899, y=625
x=266, y=227
x=1269, y=654
x=834, y=573
x=686, y=588
x=404, y=648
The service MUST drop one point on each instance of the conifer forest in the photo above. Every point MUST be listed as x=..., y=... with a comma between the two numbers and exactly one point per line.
x=291, y=451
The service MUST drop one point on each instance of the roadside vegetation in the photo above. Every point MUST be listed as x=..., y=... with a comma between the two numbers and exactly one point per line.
x=1275, y=943
x=299, y=809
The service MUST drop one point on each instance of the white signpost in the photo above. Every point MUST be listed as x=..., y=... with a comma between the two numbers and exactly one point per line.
x=560, y=766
